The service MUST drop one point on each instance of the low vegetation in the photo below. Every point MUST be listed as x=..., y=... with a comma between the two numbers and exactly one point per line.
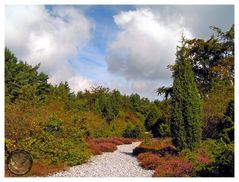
x=99, y=145
x=210, y=158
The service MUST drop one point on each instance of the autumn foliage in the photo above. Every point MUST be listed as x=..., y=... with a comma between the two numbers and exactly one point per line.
x=99, y=145
x=157, y=155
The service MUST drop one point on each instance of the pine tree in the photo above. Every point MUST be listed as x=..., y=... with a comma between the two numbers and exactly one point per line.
x=186, y=125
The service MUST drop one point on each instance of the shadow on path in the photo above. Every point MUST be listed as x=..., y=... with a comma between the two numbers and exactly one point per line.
x=128, y=153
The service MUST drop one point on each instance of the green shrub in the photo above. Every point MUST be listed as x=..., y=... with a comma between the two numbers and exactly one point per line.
x=53, y=125
x=56, y=150
x=224, y=162
x=227, y=127
x=161, y=129
x=133, y=131
x=164, y=129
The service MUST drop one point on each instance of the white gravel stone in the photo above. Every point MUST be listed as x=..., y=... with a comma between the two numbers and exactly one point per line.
x=119, y=163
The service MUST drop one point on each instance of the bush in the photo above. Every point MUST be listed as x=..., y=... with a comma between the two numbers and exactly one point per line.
x=161, y=129
x=173, y=167
x=55, y=150
x=133, y=131
x=100, y=145
x=168, y=165
x=227, y=127
x=108, y=140
x=125, y=140
x=149, y=160
x=116, y=141
x=213, y=113
x=223, y=165
x=107, y=147
x=53, y=125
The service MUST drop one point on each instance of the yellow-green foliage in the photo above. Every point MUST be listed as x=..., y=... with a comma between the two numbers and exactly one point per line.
x=51, y=133
x=214, y=107
x=47, y=132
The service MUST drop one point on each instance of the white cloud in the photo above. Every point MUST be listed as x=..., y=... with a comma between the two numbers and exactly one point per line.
x=77, y=83
x=197, y=18
x=49, y=37
x=145, y=46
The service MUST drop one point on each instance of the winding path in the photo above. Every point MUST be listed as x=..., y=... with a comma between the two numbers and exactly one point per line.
x=119, y=163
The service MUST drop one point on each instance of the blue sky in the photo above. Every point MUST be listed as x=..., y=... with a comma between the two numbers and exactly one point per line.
x=118, y=46
x=104, y=31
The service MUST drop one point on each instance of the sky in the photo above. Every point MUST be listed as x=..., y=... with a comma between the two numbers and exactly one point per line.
x=124, y=47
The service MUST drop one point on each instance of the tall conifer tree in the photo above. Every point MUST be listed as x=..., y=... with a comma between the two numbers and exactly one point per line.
x=186, y=125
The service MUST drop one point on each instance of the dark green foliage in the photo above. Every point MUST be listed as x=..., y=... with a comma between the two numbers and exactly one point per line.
x=162, y=127
x=223, y=166
x=152, y=118
x=116, y=102
x=229, y=115
x=106, y=108
x=53, y=125
x=227, y=126
x=23, y=80
x=157, y=123
x=224, y=163
x=213, y=59
x=167, y=91
x=133, y=131
x=135, y=101
x=186, y=105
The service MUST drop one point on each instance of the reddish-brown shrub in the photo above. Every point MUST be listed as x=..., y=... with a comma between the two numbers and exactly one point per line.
x=203, y=159
x=203, y=155
x=149, y=160
x=173, y=167
x=100, y=145
x=116, y=141
x=166, y=165
x=124, y=140
x=95, y=148
x=108, y=140
x=107, y=147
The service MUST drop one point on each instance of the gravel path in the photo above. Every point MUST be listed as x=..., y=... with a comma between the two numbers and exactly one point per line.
x=119, y=163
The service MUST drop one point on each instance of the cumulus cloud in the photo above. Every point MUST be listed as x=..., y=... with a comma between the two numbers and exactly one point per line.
x=197, y=18
x=145, y=45
x=49, y=37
